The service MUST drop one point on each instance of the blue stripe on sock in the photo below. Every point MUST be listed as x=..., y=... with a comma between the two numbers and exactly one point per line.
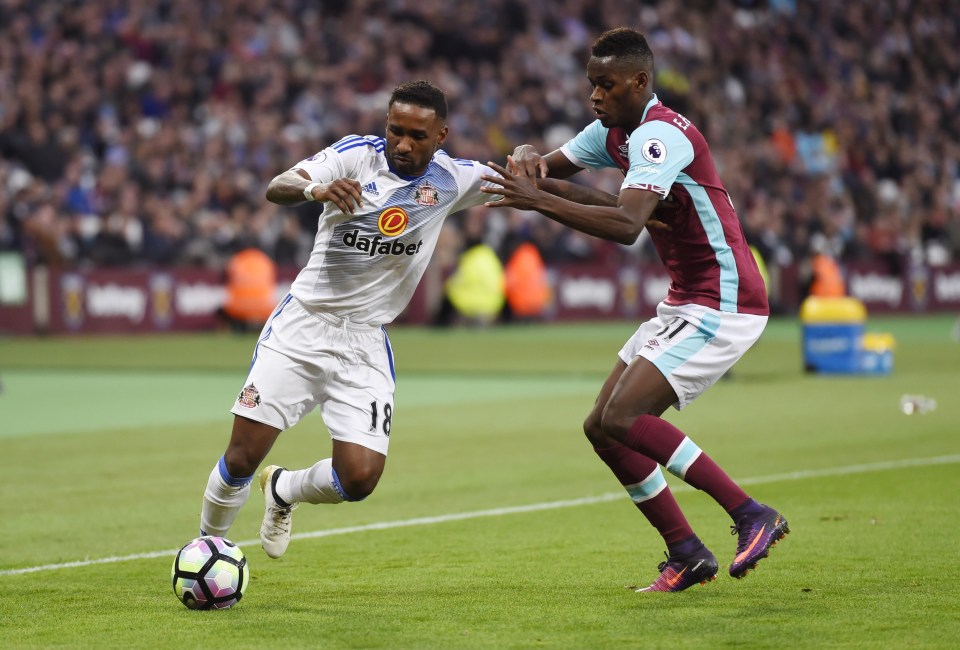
x=648, y=487
x=683, y=458
x=339, y=488
x=229, y=480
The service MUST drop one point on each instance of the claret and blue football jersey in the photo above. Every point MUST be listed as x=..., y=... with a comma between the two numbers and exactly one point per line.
x=695, y=228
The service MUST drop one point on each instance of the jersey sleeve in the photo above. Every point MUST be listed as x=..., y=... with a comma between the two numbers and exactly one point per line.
x=658, y=153
x=469, y=181
x=588, y=149
x=340, y=160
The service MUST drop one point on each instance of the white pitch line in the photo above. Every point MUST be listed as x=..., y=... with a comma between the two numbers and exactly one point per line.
x=512, y=510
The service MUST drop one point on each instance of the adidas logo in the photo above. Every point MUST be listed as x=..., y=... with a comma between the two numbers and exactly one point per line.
x=371, y=188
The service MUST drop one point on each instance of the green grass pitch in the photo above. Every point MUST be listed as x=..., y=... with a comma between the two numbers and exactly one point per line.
x=494, y=526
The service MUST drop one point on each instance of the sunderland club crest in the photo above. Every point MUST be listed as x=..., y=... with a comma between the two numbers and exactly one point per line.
x=426, y=194
x=249, y=397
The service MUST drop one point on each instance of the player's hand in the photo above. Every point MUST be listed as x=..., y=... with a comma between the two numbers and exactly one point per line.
x=527, y=161
x=518, y=191
x=345, y=193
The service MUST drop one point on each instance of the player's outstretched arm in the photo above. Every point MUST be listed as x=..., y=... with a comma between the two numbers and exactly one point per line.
x=621, y=224
x=527, y=161
x=290, y=187
x=577, y=193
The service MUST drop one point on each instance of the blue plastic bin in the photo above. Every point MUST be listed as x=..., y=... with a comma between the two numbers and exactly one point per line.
x=833, y=330
x=832, y=347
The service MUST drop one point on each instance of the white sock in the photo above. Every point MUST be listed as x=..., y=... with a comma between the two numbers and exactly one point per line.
x=317, y=484
x=221, y=502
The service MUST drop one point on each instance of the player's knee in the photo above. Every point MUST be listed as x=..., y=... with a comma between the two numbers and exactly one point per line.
x=359, y=483
x=594, y=431
x=616, y=421
x=241, y=462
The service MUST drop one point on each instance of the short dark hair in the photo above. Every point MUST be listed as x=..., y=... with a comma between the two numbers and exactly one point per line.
x=421, y=93
x=624, y=43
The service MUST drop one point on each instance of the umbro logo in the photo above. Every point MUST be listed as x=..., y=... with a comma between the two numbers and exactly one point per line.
x=371, y=188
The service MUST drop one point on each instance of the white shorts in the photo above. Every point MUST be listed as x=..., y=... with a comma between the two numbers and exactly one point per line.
x=693, y=346
x=305, y=359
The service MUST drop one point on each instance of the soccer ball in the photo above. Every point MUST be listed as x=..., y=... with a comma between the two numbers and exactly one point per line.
x=210, y=572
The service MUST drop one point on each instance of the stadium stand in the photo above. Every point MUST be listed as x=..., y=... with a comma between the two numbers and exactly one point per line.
x=142, y=133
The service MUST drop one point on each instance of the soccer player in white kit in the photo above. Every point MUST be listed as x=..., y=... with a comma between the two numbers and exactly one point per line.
x=325, y=345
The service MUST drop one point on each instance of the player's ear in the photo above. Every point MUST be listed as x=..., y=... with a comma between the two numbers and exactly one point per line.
x=641, y=79
x=442, y=135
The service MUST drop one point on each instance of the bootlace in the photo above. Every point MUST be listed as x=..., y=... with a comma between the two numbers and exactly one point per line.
x=663, y=565
x=281, y=518
x=743, y=541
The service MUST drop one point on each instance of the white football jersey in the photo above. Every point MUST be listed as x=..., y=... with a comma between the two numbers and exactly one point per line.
x=365, y=267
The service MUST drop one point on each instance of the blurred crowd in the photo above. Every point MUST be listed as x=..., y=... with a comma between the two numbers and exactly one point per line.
x=144, y=132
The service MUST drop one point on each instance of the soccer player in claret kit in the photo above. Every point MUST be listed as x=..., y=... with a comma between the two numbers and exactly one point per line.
x=715, y=310
x=325, y=345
